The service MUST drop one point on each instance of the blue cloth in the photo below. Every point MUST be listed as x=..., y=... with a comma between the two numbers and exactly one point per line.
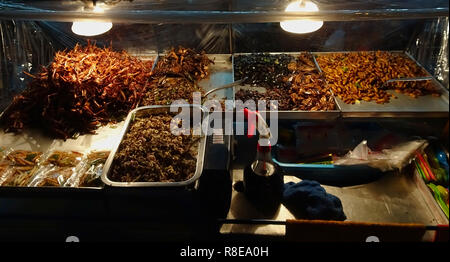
x=307, y=199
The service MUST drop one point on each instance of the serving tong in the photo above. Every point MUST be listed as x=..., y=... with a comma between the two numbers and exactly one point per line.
x=405, y=79
x=235, y=83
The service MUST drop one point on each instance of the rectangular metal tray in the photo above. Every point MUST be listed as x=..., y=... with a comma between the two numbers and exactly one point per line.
x=129, y=120
x=220, y=74
x=289, y=114
x=403, y=106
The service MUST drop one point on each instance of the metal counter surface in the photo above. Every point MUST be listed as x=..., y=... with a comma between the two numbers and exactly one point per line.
x=394, y=198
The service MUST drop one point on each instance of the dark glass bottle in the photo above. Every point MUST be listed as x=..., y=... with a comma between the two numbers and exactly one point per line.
x=263, y=182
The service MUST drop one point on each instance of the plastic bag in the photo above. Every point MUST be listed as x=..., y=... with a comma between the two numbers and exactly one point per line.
x=23, y=157
x=19, y=176
x=5, y=173
x=3, y=153
x=385, y=160
x=58, y=166
x=52, y=176
x=90, y=171
x=18, y=167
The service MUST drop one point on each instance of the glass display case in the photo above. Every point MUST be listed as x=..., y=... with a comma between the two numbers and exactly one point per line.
x=342, y=72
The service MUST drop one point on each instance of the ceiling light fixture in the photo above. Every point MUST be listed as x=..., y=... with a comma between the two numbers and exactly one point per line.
x=91, y=28
x=301, y=26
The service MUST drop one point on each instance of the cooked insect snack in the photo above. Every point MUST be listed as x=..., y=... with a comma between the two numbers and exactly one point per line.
x=184, y=62
x=3, y=154
x=282, y=97
x=64, y=159
x=89, y=176
x=149, y=152
x=18, y=167
x=2, y=168
x=295, y=83
x=266, y=70
x=18, y=175
x=361, y=76
x=23, y=157
x=57, y=168
x=80, y=90
x=4, y=172
x=308, y=90
x=164, y=90
x=54, y=177
x=95, y=156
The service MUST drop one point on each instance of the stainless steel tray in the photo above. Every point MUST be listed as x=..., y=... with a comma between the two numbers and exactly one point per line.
x=289, y=114
x=403, y=106
x=220, y=73
x=148, y=110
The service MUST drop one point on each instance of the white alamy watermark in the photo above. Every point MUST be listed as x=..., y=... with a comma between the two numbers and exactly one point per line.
x=220, y=120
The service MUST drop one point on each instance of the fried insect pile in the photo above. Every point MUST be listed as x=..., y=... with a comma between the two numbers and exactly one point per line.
x=151, y=153
x=295, y=83
x=361, y=76
x=266, y=70
x=308, y=89
x=176, y=76
x=164, y=90
x=80, y=90
x=184, y=62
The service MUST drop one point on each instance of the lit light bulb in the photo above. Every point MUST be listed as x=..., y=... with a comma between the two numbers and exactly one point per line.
x=301, y=26
x=91, y=28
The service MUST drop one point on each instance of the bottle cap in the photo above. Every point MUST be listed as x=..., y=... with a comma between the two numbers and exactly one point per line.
x=263, y=149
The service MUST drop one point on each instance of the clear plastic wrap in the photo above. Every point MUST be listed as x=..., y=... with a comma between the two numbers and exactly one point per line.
x=62, y=165
x=5, y=173
x=28, y=44
x=18, y=167
x=24, y=47
x=91, y=170
x=57, y=166
x=19, y=160
x=3, y=153
x=5, y=169
x=333, y=36
x=218, y=5
x=430, y=48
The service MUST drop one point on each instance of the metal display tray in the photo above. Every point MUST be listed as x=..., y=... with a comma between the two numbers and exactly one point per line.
x=149, y=110
x=403, y=106
x=220, y=74
x=288, y=114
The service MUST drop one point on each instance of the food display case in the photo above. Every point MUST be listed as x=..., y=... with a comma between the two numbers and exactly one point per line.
x=82, y=82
